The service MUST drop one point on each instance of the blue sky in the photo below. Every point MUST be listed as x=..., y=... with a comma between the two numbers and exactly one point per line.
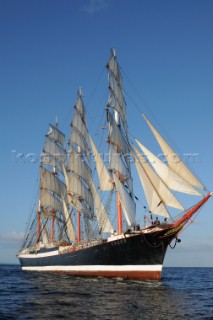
x=50, y=48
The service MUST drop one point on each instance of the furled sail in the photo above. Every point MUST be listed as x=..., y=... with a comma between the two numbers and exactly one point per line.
x=168, y=176
x=174, y=160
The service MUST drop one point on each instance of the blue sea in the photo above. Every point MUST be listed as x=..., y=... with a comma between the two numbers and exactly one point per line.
x=183, y=293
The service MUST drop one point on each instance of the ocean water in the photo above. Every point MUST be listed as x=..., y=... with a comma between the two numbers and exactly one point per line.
x=183, y=293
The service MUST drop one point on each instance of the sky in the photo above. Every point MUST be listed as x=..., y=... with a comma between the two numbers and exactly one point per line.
x=48, y=49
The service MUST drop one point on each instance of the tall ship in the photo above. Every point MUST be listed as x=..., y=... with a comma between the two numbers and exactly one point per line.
x=85, y=220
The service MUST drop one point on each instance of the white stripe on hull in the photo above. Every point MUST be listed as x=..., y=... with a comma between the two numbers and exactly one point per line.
x=131, y=272
x=103, y=268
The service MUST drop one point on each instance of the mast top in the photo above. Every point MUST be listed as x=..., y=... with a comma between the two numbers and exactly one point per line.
x=56, y=121
x=80, y=92
x=113, y=52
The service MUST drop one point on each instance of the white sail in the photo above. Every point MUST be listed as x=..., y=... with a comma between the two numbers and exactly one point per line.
x=117, y=163
x=128, y=204
x=48, y=159
x=73, y=199
x=80, y=125
x=65, y=176
x=77, y=187
x=174, y=160
x=78, y=165
x=168, y=176
x=69, y=224
x=79, y=104
x=57, y=135
x=130, y=185
x=116, y=137
x=104, y=177
x=55, y=150
x=78, y=139
x=49, y=200
x=101, y=213
x=49, y=180
x=116, y=99
x=162, y=190
x=114, y=68
x=115, y=79
x=118, y=93
x=155, y=203
x=78, y=181
x=113, y=103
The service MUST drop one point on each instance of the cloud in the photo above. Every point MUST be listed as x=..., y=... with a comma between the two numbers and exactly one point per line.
x=95, y=6
x=12, y=236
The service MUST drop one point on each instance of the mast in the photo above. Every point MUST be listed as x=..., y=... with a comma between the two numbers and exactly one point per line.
x=52, y=229
x=79, y=189
x=83, y=195
x=79, y=227
x=52, y=186
x=119, y=208
x=39, y=223
x=119, y=144
x=53, y=217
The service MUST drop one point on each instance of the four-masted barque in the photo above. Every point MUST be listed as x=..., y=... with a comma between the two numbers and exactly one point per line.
x=74, y=229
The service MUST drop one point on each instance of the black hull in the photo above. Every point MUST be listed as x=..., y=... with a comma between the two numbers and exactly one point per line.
x=137, y=256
